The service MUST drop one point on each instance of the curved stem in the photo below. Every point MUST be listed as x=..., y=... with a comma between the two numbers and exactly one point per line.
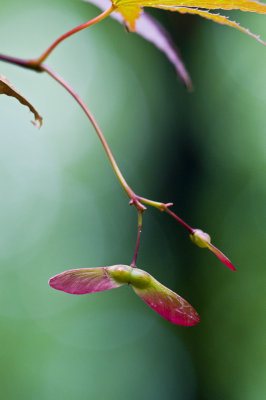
x=79, y=28
x=131, y=194
x=133, y=264
x=35, y=64
x=138, y=201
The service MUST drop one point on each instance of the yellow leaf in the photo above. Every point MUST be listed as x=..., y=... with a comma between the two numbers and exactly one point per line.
x=130, y=9
x=219, y=19
x=243, y=5
x=7, y=89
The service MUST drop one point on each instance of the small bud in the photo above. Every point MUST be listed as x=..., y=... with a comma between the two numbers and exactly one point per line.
x=119, y=273
x=203, y=240
x=200, y=238
x=140, y=279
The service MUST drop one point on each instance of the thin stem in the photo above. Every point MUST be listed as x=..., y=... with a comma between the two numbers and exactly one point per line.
x=41, y=68
x=165, y=207
x=133, y=264
x=156, y=204
x=20, y=62
x=133, y=197
x=36, y=63
x=180, y=220
x=66, y=35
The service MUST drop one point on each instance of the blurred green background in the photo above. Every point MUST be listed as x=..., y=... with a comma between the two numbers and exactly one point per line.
x=61, y=207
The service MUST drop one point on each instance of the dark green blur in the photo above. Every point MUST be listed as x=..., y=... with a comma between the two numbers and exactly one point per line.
x=61, y=207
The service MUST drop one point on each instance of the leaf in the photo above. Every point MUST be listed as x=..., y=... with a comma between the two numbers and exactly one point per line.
x=168, y=304
x=151, y=30
x=243, y=5
x=219, y=19
x=165, y=302
x=84, y=280
x=9, y=90
x=203, y=240
x=190, y=6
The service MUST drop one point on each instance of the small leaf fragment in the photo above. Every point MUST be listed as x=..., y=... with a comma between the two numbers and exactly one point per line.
x=203, y=240
x=130, y=15
x=7, y=89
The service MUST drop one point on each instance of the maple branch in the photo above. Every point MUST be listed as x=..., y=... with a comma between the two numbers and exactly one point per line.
x=131, y=194
x=38, y=66
x=35, y=64
x=66, y=35
x=138, y=201
x=20, y=62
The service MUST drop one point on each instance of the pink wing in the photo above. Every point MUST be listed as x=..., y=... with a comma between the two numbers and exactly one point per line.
x=221, y=256
x=83, y=280
x=168, y=304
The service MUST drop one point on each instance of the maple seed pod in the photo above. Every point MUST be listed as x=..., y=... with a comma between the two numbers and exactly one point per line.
x=200, y=238
x=161, y=299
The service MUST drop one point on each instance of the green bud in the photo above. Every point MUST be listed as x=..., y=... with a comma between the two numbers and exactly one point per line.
x=139, y=278
x=200, y=238
x=120, y=273
x=125, y=274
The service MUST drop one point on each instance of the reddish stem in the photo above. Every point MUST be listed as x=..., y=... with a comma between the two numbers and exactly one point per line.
x=66, y=35
x=20, y=62
x=131, y=194
x=179, y=220
x=133, y=264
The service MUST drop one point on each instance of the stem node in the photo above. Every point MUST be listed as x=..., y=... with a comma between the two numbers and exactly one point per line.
x=139, y=206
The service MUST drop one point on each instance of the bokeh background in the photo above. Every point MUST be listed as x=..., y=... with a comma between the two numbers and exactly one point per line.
x=61, y=207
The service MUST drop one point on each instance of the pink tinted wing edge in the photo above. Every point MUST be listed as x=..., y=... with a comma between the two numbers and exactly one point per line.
x=221, y=256
x=83, y=281
x=168, y=304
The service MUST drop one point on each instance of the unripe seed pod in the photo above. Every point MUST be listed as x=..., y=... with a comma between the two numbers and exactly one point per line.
x=200, y=238
x=119, y=273
x=139, y=278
